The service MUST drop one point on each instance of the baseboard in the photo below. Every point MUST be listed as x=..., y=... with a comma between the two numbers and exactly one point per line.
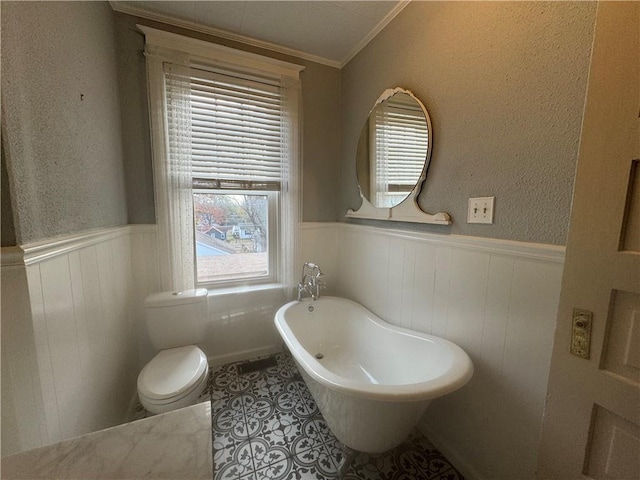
x=456, y=460
x=217, y=360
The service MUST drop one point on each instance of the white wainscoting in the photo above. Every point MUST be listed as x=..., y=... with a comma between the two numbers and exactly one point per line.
x=146, y=275
x=70, y=342
x=23, y=419
x=74, y=339
x=240, y=325
x=496, y=299
x=319, y=245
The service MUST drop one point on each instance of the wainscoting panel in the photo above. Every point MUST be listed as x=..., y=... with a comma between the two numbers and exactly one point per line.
x=319, y=245
x=496, y=314
x=241, y=325
x=92, y=345
x=22, y=391
x=43, y=356
x=62, y=338
x=77, y=332
x=76, y=320
x=146, y=280
x=496, y=299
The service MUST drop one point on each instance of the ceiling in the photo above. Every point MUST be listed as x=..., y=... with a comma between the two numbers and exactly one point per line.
x=329, y=32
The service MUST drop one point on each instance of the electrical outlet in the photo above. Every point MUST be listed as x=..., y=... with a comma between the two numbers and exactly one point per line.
x=481, y=210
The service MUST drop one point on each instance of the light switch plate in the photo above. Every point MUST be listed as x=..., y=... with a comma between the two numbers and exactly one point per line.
x=481, y=210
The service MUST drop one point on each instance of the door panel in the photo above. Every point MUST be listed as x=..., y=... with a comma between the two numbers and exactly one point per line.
x=613, y=447
x=622, y=342
x=592, y=418
x=630, y=238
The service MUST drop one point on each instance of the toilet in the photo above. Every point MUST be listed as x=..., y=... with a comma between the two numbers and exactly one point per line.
x=177, y=375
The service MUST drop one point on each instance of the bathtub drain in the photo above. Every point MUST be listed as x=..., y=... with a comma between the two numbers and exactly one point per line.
x=319, y=356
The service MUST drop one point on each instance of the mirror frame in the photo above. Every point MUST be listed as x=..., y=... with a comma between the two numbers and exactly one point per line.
x=408, y=210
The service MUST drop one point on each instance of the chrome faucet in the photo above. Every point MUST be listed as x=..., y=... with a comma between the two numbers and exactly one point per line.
x=311, y=281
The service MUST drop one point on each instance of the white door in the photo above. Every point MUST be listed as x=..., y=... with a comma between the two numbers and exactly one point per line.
x=591, y=427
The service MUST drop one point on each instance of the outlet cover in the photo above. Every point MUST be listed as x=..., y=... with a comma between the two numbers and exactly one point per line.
x=481, y=210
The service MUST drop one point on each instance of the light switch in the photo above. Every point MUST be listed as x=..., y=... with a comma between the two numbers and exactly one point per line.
x=481, y=210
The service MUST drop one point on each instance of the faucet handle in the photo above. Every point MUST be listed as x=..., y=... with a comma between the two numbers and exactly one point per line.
x=311, y=270
x=316, y=272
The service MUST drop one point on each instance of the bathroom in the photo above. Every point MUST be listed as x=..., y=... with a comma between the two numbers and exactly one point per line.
x=505, y=84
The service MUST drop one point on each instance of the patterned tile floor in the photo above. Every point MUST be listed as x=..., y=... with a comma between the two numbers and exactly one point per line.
x=265, y=425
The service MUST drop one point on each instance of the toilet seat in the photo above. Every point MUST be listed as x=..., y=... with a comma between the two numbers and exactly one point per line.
x=177, y=402
x=201, y=382
x=173, y=374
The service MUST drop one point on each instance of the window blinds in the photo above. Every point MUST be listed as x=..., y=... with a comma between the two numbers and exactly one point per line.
x=236, y=131
x=400, y=142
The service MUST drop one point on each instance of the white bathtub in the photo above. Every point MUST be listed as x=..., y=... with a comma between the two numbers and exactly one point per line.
x=374, y=380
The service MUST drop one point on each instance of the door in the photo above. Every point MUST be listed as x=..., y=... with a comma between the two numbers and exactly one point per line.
x=591, y=427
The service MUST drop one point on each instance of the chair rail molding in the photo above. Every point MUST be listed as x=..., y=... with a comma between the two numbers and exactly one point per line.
x=538, y=251
x=30, y=253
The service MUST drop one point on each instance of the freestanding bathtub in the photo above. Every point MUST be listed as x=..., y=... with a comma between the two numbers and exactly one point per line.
x=372, y=381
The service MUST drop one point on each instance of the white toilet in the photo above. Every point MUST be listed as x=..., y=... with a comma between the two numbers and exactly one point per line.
x=177, y=375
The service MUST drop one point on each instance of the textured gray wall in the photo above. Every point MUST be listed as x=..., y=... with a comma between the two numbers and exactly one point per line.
x=136, y=136
x=61, y=117
x=321, y=123
x=504, y=83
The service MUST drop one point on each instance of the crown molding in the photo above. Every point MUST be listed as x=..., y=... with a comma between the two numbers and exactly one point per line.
x=198, y=27
x=374, y=31
x=236, y=37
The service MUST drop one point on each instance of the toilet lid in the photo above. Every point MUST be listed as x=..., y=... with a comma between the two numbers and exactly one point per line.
x=171, y=372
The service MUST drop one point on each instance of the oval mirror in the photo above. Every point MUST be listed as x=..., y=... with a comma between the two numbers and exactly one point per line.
x=394, y=149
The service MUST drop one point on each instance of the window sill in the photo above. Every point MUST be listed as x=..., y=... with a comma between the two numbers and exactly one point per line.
x=218, y=292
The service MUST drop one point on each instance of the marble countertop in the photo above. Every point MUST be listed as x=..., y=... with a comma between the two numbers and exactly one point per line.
x=169, y=446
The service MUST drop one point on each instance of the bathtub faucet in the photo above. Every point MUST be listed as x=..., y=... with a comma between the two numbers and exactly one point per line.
x=311, y=281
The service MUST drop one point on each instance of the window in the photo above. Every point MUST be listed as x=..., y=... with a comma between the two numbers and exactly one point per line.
x=229, y=140
x=237, y=165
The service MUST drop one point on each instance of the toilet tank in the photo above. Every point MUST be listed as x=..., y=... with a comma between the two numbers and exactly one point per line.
x=176, y=319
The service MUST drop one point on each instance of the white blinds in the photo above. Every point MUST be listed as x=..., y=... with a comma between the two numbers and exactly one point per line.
x=236, y=131
x=400, y=143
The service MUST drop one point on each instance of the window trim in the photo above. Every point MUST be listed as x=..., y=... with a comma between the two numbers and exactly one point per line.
x=219, y=55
